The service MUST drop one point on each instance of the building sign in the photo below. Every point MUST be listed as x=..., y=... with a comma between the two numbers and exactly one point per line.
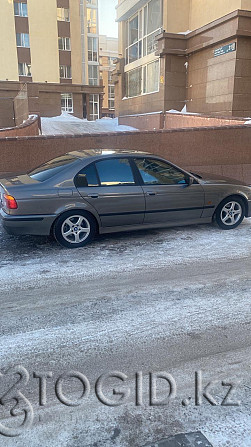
x=225, y=49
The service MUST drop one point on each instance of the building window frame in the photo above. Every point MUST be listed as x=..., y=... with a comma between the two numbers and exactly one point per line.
x=67, y=102
x=143, y=43
x=91, y=3
x=64, y=43
x=111, y=96
x=144, y=76
x=93, y=78
x=92, y=49
x=63, y=14
x=24, y=69
x=94, y=106
x=20, y=9
x=65, y=72
x=92, y=20
x=23, y=40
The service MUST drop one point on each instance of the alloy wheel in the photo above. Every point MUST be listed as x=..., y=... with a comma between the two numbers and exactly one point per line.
x=231, y=213
x=75, y=229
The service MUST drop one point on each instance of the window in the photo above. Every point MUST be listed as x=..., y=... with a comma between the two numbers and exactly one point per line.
x=20, y=9
x=151, y=77
x=63, y=14
x=156, y=172
x=134, y=83
x=65, y=71
x=66, y=102
x=50, y=168
x=94, y=107
x=143, y=80
x=93, y=74
x=142, y=30
x=92, y=2
x=116, y=172
x=91, y=21
x=87, y=177
x=111, y=96
x=24, y=69
x=23, y=40
x=92, y=49
x=64, y=43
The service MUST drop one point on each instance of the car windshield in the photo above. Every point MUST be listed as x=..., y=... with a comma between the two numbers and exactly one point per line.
x=51, y=168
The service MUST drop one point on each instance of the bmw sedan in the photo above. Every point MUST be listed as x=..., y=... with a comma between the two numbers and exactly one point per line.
x=82, y=193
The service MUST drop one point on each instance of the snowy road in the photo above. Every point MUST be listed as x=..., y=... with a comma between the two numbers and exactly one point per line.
x=175, y=300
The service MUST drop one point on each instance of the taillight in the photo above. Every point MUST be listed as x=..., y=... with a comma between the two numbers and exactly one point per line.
x=9, y=202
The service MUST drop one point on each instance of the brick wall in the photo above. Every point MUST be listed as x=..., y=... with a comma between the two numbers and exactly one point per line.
x=170, y=120
x=29, y=128
x=221, y=150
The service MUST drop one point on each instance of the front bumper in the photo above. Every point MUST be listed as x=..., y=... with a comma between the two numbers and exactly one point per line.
x=39, y=225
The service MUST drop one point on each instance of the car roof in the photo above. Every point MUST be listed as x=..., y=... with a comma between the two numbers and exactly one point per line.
x=88, y=153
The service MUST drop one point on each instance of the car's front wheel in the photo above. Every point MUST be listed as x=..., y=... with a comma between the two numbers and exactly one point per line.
x=75, y=229
x=230, y=213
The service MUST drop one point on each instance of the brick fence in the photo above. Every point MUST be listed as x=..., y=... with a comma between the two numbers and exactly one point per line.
x=171, y=120
x=30, y=127
x=220, y=150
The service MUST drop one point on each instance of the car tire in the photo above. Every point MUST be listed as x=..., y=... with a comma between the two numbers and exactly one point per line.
x=230, y=213
x=75, y=229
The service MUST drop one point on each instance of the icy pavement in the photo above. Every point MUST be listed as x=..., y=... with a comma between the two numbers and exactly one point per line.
x=174, y=300
x=35, y=258
x=70, y=125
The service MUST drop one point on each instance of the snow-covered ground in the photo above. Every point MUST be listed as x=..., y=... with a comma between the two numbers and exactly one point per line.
x=71, y=125
x=153, y=248
x=174, y=300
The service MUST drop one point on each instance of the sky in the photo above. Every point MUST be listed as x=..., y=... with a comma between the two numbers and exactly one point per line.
x=107, y=16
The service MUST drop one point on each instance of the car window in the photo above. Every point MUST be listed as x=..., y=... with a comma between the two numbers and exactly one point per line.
x=157, y=172
x=115, y=172
x=50, y=168
x=87, y=177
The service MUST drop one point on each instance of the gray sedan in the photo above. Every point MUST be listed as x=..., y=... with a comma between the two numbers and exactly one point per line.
x=83, y=193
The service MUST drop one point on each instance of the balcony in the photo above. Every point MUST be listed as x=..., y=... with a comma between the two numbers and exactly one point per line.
x=126, y=8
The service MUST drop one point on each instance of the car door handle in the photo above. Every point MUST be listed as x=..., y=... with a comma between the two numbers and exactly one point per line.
x=150, y=193
x=93, y=196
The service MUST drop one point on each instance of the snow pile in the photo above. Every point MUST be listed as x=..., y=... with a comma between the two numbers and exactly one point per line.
x=248, y=122
x=182, y=112
x=63, y=117
x=71, y=125
x=185, y=32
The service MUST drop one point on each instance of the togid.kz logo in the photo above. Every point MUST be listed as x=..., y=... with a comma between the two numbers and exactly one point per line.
x=111, y=389
x=20, y=407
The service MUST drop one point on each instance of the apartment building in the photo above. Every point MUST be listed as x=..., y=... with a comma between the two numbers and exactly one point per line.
x=184, y=52
x=108, y=54
x=52, y=45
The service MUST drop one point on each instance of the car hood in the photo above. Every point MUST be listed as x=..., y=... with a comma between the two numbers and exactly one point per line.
x=217, y=179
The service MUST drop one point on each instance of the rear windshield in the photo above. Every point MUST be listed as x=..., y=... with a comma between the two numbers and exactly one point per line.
x=51, y=168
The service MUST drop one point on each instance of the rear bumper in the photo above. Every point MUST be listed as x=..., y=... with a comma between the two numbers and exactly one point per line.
x=39, y=225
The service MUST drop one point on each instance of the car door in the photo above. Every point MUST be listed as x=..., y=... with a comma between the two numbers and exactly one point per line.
x=169, y=198
x=110, y=187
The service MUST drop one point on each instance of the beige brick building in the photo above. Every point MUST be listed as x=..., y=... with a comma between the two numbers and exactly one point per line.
x=53, y=46
x=184, y=52
x=108, y=54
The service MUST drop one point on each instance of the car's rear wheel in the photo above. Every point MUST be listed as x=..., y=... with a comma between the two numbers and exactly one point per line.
x=230, y=213
x=75, y=229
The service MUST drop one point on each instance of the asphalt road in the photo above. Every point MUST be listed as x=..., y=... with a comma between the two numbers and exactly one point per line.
x=174, y=301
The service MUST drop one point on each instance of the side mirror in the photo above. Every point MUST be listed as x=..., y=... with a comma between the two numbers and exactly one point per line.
x=189, y=181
